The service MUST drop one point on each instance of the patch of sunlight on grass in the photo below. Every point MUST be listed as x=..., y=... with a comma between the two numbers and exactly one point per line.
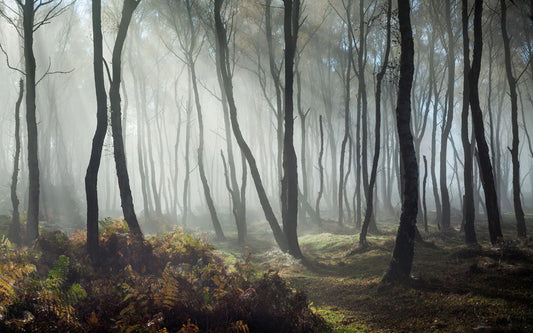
x=341, y=320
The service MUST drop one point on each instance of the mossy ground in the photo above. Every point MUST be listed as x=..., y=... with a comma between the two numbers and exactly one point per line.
x=455, y=288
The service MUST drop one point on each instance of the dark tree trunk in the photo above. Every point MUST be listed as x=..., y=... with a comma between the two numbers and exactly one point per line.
x=14, y=228
x=275, y=73
x=447, y=121
x=347, y=91
x=32, y=225
x=116, y=123
x=320, y=170
x=192, y=68
x=485, y=165
x=373, y=173
x=424, y=207
x=237, y=196
x=222, y=53
x=433, y=163
x=402, y=257
x=361, y=61
x=289, y=184
x=468, y=204
x=515, y=153
x=91, y=177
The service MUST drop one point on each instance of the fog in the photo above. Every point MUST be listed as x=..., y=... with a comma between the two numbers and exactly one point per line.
x=160, y=122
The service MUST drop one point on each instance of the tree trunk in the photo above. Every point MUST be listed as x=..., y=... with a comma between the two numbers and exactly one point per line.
x=275, y=73
x=91, y=177
x=320, y=170
x=447, y=121
x=402, y=257
x=468, y=204
x=14, y=228
x=192, y=68
x=237, y=196
x=222, y=53
x=32, y=225
x=116, y=123
x=515, y=153
x=289, y=184
x=424, y=207
x=485, y=165
x=347, y=92
x=373, y=173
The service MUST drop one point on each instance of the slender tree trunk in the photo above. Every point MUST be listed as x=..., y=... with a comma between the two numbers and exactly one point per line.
x=468, y=205
x=347, y=93
x=447, y=121
x=32, y=225
x=14, y=228
x=402, y=257
x=91, y=177
x=116, y=124
x=237, y=197
x=377, y=130
x=320, y=170
x=485, y=165
x=361, y=61
x=289, y=184
x=424, y=194
x=201, y=167
x=275, y=73
x=515, y=153
x=222, y=53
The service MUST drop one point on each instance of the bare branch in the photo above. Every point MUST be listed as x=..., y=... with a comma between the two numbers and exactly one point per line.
x=7, y=61
x=48, y=72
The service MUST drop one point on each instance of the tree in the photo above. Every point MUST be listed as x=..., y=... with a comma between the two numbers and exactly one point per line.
x=468, y=204
x=485, y=165
x=289, y=184
x=91, y=177
x=373, y=172
x=447, y=120
x=347, y=93
x=14, y=228
x=517, y=202
x=222, y=53
x=402, y=257
x=116, y=120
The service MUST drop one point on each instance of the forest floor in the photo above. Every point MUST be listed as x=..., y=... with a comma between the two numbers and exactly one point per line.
x=454, y=289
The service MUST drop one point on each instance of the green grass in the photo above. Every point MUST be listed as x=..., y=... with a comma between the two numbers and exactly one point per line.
x=455, y=288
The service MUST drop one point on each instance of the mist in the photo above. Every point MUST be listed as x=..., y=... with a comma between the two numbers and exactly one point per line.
x=188, y=170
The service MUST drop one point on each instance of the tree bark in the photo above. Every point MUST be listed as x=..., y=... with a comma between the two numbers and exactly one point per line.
x=468, y=204
x=275, y=73
x=515, y=153
x=222, y=53
x=447, y=121
x=237, y=196
x=485, y=165
x=347, y=92
x=116, y=121
x=32, y=225
x=289, y=185
x=402, y=257
x=320, y=170
x=14, y=228
x=201, y=168
x=373, y=172
x=91, y=177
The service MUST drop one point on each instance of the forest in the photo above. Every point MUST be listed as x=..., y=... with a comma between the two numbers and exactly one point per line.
x=266, y=166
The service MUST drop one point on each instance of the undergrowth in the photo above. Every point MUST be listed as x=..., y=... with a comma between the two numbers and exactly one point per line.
x=167, y=283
